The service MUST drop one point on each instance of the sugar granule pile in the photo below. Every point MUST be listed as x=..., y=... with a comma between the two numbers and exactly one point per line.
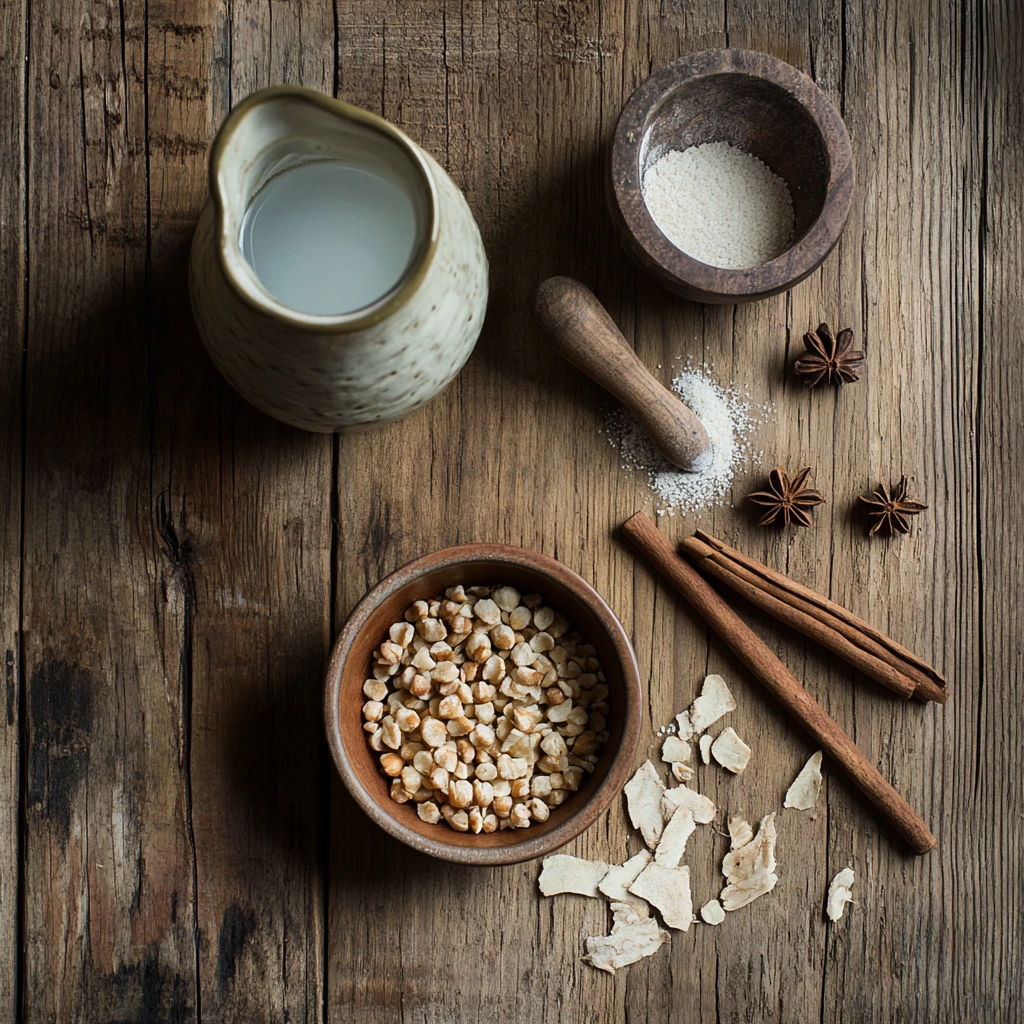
x=729, y=419
x=720, y=205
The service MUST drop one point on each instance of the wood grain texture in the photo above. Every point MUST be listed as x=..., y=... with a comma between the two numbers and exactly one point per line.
x=103, y=864
x=12, y=337
x=988, y=966
x=174, y=845
x=244, y=505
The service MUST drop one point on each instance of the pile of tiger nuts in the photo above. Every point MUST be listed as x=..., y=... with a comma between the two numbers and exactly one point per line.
x=485, y=708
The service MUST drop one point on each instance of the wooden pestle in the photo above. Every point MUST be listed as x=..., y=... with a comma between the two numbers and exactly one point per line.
x=587, y=337
x=766, y=668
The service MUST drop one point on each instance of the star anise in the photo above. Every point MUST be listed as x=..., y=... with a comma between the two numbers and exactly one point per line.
x=888, y=510
x=828, y=358
x=787, y=499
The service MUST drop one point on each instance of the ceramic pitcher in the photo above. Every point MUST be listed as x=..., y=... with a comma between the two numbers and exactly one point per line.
x=376, y=363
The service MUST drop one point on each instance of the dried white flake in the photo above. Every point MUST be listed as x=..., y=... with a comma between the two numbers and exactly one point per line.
x=562, y=873
x=684, y=729
x=674, y=749
x=730, y=751
x=839, y=894
x=714, y=701
x=673, y=840
x=750, y=870
x=615, y=885
x=643, y=799
x=667, y=889
x=705, y=748
x=740, y=832
x=701, y=807
x=803, y=793
x=682, y=772
x=634, y=935
x=712, y=912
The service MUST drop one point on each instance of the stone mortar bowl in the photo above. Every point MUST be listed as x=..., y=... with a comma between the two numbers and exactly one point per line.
x=763, y=106
x=475, y=565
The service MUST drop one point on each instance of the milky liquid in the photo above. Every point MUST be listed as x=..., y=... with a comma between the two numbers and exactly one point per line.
x=329, y=237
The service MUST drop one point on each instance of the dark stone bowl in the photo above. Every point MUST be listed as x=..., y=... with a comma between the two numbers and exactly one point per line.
x=761, y=105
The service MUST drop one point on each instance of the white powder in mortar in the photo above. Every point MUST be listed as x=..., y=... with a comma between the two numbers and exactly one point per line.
x=729, y=419
x=720, y=205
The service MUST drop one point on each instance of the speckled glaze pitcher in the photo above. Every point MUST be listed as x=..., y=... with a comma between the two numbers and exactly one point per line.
x=376, y=363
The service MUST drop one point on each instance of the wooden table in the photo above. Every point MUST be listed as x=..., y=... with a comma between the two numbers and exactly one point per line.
x=176, y=845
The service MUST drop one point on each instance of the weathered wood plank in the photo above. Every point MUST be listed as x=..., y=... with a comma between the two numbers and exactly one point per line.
x=538, y=194
x=492, y=72
x=12, y=335
x=916, y=234
x=245, y=505
x=986, y=963
x=106, y=861
x=768, y=956
x=400, y=60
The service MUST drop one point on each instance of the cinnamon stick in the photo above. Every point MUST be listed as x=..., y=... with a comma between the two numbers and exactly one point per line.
x=702, y=556
x=779, y=681
x=928, y=683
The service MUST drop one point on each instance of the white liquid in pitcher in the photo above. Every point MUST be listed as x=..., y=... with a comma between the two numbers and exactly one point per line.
x=329, y=237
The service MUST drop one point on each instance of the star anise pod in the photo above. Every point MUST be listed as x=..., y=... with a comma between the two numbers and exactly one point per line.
x=787, y=499
x=888, y=510
x=828, y=358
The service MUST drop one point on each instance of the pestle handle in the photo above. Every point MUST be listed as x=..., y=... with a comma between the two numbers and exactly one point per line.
x=587, y=337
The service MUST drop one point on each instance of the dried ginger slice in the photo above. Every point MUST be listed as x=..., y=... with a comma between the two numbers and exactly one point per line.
x=634, y=935
x=803, y=793
x=674, y=749
x=643, y=799
x=701, y=807
x=740, y=832
x=712, y=912
x=839, y=894
x=668, y=890
x=673, y=840
x=615, y=885
x=705, y=747
x=730, y=751
x=714, y=701
x=684, y=727
x=750, y=870
x=562, y=873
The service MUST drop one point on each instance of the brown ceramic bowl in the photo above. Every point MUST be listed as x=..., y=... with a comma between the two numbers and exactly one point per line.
x=761, y=105
x=474, y=565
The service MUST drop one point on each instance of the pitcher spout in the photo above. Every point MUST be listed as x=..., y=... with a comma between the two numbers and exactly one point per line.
x=269, y=136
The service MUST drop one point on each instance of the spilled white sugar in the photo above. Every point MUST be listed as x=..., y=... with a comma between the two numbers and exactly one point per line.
x=720, y=205
x=729, y=419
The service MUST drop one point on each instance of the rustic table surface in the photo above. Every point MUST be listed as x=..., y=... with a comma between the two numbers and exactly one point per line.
x=176, y=845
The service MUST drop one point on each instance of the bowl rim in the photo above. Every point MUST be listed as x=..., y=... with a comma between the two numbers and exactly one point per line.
x=701, y=280
x=530, y=847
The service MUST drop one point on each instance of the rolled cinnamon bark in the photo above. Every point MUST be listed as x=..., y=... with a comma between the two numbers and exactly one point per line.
x=928, y=682
x=702, y=557
x=779, y=681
